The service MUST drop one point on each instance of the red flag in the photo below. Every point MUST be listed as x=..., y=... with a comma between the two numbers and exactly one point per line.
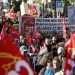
x=67, y=44
x=11, y=61
x=32, y=10
x=36, y=34
x=64, y=29
x=70, y=59
x=14, y=33
x=29, y=40
x=10, y=14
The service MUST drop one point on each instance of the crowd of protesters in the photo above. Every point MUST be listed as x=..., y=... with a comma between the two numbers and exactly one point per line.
x=45, y=53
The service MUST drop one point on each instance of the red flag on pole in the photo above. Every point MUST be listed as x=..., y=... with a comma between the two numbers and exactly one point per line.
x=14, y=33
x=36, y=34
x=67, y=44
x=70, y=59
x=10, y=14
x=64, y=28
x=11, y=61
x=32, y=10
x=29, y=40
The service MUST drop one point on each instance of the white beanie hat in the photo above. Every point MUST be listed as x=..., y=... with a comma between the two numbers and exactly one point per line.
x=23, y=49
x=60, y=50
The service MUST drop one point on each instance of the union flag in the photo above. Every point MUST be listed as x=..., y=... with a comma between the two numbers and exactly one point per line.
x=11, y=61
x=14, y=33
x=67, y=44
x=29, y=40
x=36, y=34
x=70, y=59
x=10, y=14
x=32, y=10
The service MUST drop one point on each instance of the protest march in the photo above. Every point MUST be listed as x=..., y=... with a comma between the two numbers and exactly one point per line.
x=37, y=37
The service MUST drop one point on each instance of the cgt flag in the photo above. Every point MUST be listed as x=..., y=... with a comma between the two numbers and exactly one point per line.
x=70, y=59
x=14, y=33
x=10, y=14
x=11, y=61
x=36, y=34
x=32, y=10
x=29, y=39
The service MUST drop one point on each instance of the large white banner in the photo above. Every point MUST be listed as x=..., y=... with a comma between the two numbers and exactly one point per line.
x=50, y=25
x=71, y=14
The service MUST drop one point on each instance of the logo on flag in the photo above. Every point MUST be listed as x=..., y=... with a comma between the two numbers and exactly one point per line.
x=10, y=14
x=70, y=59
x=11, y=60
x=32, y=10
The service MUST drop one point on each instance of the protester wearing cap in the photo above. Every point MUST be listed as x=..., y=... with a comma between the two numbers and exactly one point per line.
x=60, y=50
x=23, y=49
